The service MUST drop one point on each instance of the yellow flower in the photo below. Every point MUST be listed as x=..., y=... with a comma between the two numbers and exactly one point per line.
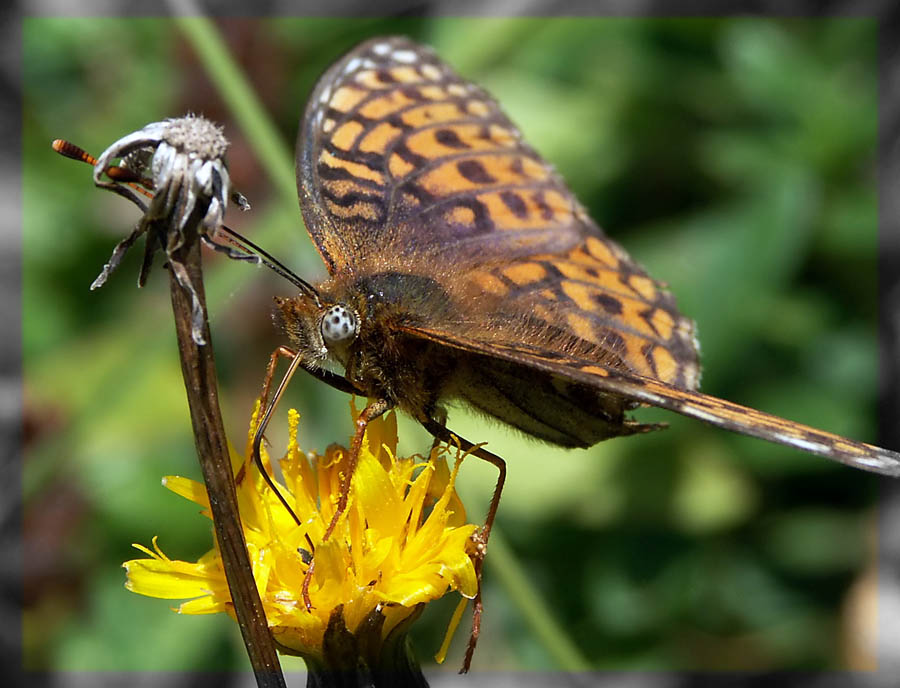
x=402, y=542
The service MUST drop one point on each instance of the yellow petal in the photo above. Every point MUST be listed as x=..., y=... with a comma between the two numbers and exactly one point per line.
x=187, y=488
x=205, y=605
x=378, y=502
x=381, y=554
x=156, y=578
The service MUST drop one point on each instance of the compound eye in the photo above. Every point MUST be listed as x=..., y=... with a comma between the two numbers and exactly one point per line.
x=339, y=324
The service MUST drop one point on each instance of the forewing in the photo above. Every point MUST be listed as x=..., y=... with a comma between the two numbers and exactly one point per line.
x=710, y=409
x=399, y=156
x=593, y=302
x=404, y=166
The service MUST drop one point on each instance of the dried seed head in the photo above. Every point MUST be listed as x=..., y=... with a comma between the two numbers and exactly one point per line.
x=183, y=158
x=194, y=135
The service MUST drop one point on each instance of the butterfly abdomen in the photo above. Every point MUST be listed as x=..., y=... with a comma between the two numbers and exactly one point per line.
x=419, y=375
x=545, y=406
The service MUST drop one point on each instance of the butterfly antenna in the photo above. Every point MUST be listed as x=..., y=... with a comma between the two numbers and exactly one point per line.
x=271, y=262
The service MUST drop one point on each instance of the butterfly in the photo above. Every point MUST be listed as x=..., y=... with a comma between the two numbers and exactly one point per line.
x=462, y=269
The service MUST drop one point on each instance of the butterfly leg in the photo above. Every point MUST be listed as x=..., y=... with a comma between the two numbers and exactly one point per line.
x=267, y=415
x=366, y=416
x=440, y=432
x=280, y=352
x=326, y=376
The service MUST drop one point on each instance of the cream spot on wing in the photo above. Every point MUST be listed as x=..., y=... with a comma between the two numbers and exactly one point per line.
x=478, y=108
x=805, y=445
x=352, y=65
x=700, y=414
x=429, y=71
x=407, y=56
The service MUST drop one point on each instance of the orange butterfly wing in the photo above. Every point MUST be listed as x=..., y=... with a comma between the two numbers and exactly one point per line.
x=610, y=309
x=399, y=156
x=403, y=165
x=710, y=409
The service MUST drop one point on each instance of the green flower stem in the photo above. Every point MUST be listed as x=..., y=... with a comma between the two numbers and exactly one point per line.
x=241, y=99
x=503, y=564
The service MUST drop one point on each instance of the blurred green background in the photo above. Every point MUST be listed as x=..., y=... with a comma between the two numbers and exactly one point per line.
x=734, y=158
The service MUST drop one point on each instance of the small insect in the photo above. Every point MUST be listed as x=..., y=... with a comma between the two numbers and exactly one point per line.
x=178, y=165
x=461, y=268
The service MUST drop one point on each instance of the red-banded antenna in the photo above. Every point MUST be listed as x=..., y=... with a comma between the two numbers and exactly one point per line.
x=114, y=172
